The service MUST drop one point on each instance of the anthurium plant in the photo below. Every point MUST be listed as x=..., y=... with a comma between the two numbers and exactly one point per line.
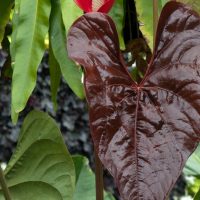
x=143, y=132
x=142, y=89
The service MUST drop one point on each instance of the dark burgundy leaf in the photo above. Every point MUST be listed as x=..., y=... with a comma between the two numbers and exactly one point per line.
x=144, y=132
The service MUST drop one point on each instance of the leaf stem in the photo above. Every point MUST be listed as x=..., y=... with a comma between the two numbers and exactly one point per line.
x=155, y=19
x=129, y=21
x=99, y=178
x=4, y=186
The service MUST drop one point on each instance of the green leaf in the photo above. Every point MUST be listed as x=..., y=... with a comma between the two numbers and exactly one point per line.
x=5, y=8
x=195, y=4
x=163, y=2
x=70, y=12
x=145, y=17
x=55, y=77
x=145, y=12
x=85, y=181
x=108, y=196
x=15, y=21
x=193, y=186
x=33, y=191
x=31, y=20
x=193, y=164
x=117, y=14
x=41, y=157
x=197, y=196
x=70, y=71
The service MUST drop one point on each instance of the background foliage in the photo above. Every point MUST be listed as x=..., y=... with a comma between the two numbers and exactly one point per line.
x=39, y=26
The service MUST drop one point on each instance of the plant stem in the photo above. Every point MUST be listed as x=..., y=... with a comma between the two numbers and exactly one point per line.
x=4, y=186
x=99, y=178
x=155, y=18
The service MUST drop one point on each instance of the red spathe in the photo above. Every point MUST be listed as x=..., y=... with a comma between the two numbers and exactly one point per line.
x=103, y=6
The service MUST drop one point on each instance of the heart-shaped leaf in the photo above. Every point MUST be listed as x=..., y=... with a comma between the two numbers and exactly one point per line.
x=144, y=132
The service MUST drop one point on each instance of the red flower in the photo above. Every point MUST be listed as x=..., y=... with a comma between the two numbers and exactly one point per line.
x=103, y=6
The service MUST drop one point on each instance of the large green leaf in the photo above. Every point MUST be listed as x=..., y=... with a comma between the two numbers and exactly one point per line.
x=33, y=191
x=28, y=42
x=5, y=8
x=85, y=181
x=70, y=71
x=40, y=157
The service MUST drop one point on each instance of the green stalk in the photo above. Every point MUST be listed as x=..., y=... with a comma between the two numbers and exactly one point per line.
x=4, y=186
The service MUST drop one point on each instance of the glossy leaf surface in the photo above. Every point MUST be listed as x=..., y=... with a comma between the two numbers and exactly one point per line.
x=95, y=5
x=144, y=133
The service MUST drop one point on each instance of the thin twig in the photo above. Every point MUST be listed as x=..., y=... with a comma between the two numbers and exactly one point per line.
x=99, y=178
x=155, y=19
x=4, y=186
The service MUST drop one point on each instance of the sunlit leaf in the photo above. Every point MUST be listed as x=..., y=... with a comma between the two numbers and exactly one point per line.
x=193, y=164
x=32, y=22
x=145, y=17
x=70, y=71
x=163, y=2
